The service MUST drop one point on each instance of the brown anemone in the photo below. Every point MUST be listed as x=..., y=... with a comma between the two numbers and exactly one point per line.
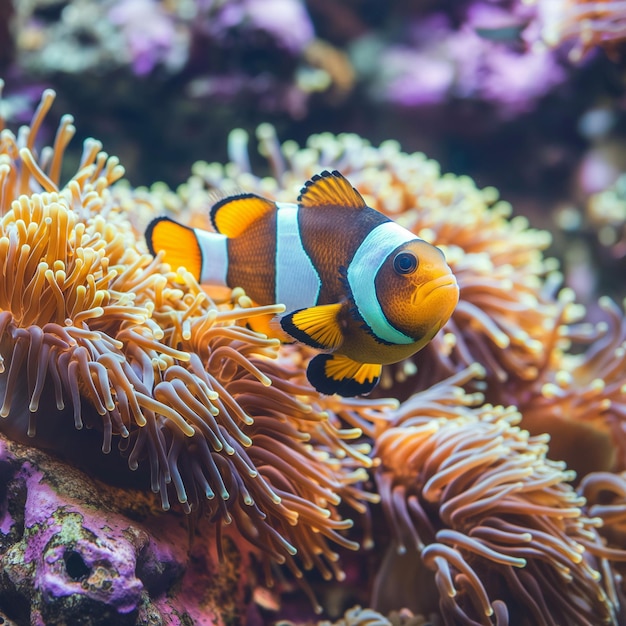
x=605, y=493
x=580, y=398
x=359, y=616
x=483, y=523
x=96, y=332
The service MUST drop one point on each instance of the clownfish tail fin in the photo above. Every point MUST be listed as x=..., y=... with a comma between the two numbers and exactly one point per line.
x=178, y=242
x=336, y=373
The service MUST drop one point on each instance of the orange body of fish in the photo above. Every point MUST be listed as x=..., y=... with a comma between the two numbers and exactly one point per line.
x=358, y=287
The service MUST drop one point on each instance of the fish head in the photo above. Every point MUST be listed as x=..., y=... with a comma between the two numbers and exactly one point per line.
x=417, y=290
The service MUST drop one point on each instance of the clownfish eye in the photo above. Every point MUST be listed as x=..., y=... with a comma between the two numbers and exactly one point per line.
x=405, y=263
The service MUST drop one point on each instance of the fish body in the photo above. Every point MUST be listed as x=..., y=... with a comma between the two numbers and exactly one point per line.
x=356, y=286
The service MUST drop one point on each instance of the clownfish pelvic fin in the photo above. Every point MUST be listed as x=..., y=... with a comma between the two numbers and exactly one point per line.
x=337, y=373
x=317, y=326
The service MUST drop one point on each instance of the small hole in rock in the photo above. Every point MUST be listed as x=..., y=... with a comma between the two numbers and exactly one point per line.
x=75, y=566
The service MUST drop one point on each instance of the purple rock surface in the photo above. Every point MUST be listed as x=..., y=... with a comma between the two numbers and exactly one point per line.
x=73, y=550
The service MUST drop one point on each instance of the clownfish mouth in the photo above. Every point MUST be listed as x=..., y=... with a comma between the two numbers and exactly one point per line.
x=441, y=285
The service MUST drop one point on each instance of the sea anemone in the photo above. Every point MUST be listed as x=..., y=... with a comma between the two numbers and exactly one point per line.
x=484, y=526
x=125, y=344
x=507, y=309
x=605, y=493
x=580, y=398
x=359, y=616
x=483, y=522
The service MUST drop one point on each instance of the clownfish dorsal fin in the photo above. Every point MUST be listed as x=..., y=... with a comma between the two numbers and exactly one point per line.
x=337, y=373
x=231, y=216
x=178, y=242
x=317, y=326
x=330, y=189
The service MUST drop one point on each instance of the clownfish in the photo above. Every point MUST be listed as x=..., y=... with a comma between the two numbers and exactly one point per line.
x=356, y=286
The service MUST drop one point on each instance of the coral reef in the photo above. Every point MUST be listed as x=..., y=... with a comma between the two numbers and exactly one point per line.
x=440, y=61
x=75, y=37
x=441, y=78
x=188, y=56
x=489, y=489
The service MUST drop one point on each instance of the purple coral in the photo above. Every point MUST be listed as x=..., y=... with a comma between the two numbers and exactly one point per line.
x=77, y=553
x=482, y=58
x=151, y=35
x=285, y=21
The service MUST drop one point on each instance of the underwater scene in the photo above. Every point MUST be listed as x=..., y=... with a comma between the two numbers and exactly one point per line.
x=312, y=312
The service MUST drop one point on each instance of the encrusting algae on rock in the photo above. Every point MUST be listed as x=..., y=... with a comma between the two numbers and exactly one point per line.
x=103, y=343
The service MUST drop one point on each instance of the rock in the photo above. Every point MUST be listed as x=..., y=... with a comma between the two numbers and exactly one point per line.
x=74, y=551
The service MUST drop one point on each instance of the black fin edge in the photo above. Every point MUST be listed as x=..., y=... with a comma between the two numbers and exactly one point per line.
x=152, y=225
x=293, y=331
x=348, y=387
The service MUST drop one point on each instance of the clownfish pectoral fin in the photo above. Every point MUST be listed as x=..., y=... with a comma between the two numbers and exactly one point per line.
x=179, y=243
x=317, y=326
x=233, y=215
x=336, y=373
x=330, y=189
